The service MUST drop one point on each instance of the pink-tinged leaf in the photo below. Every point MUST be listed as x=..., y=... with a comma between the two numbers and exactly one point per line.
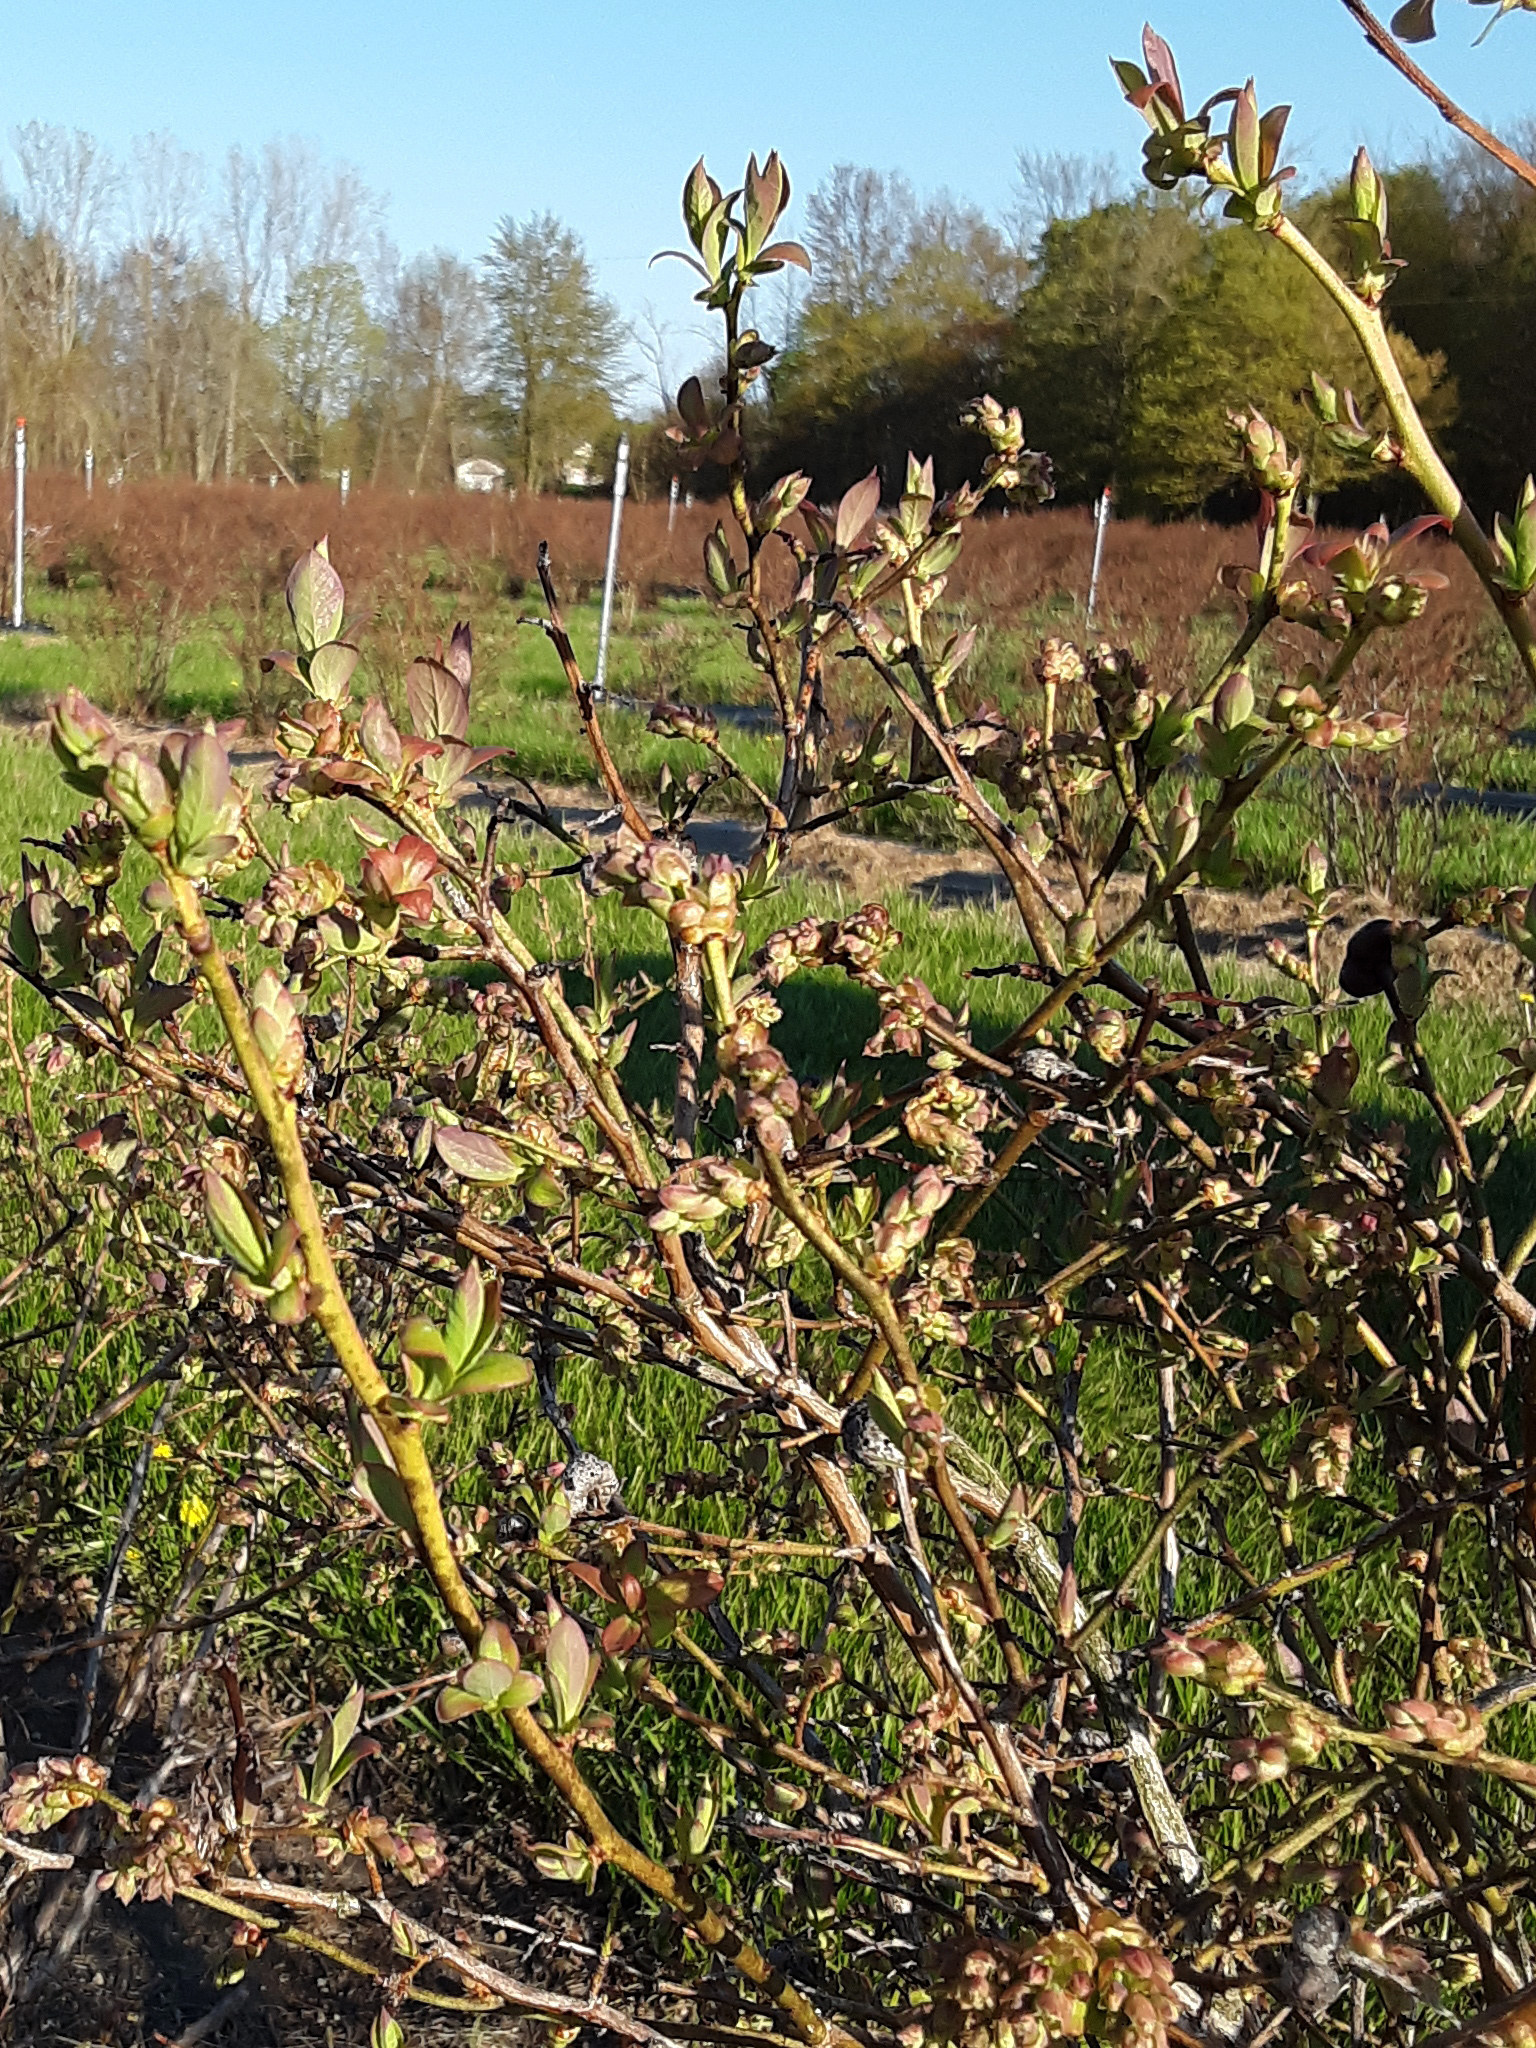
x=681, y=256
x=1244, y=138
x=438, y=701
x=525, y=1688
x=281, y=659
x=1415, y=22
x=498, y=1642
x=786, y=252
x=1271, y=133
x=1162, y=69
x=349, y=775
x=860, y=503
x=569, y=1670
x=589, y=1575
x=422, y=1339
x=690, y=1589
x=316, y=599
x=486, y=1678
x=467, y=1313
x=414, y=751
x=454, y=1704
x=460, y=655
x=475, y=1156
x=382, y=1487
x=692, y=410
x=701, y=195
x=381, y=741
x=621, y=1635
x=417, y=1408
x=818, y=526
x=1414, y=529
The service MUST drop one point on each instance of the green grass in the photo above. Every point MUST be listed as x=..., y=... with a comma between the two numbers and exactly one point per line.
x=687, y=650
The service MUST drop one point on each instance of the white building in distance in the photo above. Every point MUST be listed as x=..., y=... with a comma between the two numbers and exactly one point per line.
x=479, y=474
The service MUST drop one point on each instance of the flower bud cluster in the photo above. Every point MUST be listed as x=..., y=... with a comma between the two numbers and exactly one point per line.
x=904, y=1222
x=1011, y=467
x=41, y=1795
x=180, y=804
x=904, y=1010
x=1059, y=664
x=1225, y=1663
x=683, y=722
x=1453, y=1730
x=293, y=896
x=696, y=900
x=944, y=1117
x=1111, y=1984
x=705, y=1191
x=1330, y=1451
x=766, y=1093
x=1266, y=458
x=936, y=1300
x=1293, y=1736
x=784, y=952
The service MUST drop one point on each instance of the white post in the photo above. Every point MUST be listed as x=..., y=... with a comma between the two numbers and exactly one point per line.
x=272, y=481
x=620, y=485
x=90, y=471
x=1100, y=528
x=21, y=518
x=346, y=485
x=672, y=504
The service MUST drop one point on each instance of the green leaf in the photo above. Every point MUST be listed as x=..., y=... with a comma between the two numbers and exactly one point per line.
x=236, y=1223
x=498, y=1642
x=503, y=1372
x=330, y=671
x=202, y=794
x=473, y=1307
x=455, y=1704
x=316, y=599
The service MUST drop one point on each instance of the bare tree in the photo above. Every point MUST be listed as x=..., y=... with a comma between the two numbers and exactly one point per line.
x=859, y=226
x=1059, y=185
x=68, y=187
x=438, y=340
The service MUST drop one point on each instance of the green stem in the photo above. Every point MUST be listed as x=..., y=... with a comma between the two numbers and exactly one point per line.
x=328, y=1299
x=333, y=1312
x=1421, y=458
x=847, y=1268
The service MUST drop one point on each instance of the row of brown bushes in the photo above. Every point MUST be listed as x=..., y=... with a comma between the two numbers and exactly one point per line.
x=165, y=551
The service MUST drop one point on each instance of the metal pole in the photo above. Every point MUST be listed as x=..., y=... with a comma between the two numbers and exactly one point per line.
x=21, y=518
x=620, y=485
x=346, y=485
x=90, y=471
x=1100, y=528
x=672, y=505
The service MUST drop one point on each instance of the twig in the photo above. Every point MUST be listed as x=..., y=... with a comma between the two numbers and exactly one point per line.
x=1383, y=41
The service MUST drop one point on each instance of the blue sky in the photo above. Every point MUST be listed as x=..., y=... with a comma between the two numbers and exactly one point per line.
x=471, y=109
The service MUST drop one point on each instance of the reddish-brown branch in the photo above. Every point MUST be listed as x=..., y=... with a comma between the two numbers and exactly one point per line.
x=1386, y=44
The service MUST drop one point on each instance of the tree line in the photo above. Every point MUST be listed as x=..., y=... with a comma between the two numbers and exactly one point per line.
x=257, y=320
x=1127, y=327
